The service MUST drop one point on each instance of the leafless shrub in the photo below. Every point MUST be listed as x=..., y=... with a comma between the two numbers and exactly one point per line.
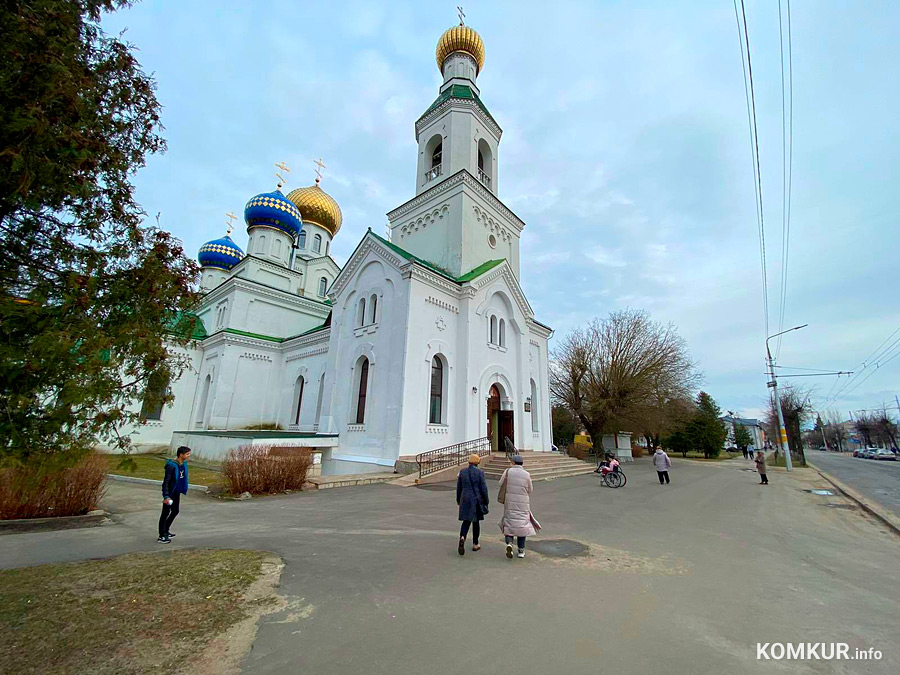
x=47, y=490
x=264, y=469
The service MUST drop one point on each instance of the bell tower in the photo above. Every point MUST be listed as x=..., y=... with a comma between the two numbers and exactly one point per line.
x=456, y=221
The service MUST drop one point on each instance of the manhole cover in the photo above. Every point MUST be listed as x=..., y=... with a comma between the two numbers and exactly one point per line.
x=437, y=487
x=823, y=493
x=559, y=548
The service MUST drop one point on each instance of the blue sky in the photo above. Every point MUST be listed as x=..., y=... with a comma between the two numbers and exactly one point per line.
x=625, y=150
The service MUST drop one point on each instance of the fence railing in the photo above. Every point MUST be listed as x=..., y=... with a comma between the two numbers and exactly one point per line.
x=433, y=173
x=453, y=455
x=484, y=178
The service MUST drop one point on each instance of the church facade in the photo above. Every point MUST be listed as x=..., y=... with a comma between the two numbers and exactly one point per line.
x=419, y=342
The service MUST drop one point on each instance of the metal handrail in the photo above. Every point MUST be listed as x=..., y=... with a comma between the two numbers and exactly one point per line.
x=453, y=455
x=509, y=448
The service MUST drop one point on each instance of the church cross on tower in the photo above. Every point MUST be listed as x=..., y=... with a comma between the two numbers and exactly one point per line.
x=462, y=15
x=319, y=166
x=283, y=167
x=231, y=218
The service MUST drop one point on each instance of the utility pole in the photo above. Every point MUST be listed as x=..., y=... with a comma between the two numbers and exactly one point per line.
x=773, y=383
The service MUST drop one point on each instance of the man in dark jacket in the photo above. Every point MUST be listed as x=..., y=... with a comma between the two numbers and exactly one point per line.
x=472, y=497
x=175, y=484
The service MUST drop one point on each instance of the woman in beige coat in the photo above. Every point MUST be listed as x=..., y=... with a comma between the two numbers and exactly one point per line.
x=518, y=520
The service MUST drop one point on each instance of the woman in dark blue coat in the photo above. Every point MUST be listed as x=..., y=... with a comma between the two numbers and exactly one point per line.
x=472, y=497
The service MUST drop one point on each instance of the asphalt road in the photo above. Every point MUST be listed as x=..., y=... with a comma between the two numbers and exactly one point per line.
x=683, y=578
x=879, y=480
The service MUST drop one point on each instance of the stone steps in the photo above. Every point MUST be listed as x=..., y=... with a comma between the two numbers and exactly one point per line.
x=541, y=466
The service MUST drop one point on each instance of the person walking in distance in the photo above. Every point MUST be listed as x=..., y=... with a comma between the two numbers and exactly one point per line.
x=518, y=522
x=662, y=463
x=761, y=467
x=472, y=497
x=175, y=484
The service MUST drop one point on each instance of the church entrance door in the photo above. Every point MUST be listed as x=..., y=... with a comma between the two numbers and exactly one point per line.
x=499, y=422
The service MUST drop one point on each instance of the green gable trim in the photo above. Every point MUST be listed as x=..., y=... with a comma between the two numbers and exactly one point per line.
x=258, y=336
x=459, y=91
x=309, y=332
x=468, y=276
x=478, y=271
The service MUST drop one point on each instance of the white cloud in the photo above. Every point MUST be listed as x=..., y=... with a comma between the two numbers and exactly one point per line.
x=606, y=257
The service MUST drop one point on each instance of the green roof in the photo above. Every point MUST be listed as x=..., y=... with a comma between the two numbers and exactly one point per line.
x=270, y=338
x=182, y=321
x=468, y=276
x=460, y=91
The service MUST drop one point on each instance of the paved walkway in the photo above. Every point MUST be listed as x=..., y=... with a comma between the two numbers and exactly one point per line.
x=684, y=578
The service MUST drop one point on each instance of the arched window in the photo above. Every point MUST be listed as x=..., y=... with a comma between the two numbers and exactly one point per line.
x=437, y=391
x=276, y=248
x=436, y=155
x=298, y=395
x=319, y=401
x=534, y=407
x=373, y=308
x=317, y=243
x=502, y=334
x=493, y=334
x=480, y=160
x=327, y=247
x=152, y=406
x=361, y=396
x=323, y=285
x=204, y=400
x=302, y=241
x=361, y=313
x=261, y=244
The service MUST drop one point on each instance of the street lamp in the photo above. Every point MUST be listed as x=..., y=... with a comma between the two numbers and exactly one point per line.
x=782, y=433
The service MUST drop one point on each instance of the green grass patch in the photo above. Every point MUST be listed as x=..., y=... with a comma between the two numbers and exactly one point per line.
x=152, y=466
x=136, y=613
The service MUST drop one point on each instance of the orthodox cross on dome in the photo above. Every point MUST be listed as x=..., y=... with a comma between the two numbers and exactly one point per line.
x=462, y=15
x=231, y=218
x=319, y=166
x=282, y=167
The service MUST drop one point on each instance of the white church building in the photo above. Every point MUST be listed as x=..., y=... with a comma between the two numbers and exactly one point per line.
x=417, y=343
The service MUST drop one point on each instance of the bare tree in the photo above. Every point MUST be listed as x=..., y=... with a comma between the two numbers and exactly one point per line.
x=886, y=429
x=619, y=371
x=796, y=411
x=866, y=426
x=835, y=431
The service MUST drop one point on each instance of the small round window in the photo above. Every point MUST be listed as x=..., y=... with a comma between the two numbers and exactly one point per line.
x=492, y=240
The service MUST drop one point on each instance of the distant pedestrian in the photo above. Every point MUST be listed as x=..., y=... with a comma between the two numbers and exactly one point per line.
x=761, y=467
x=662, y=463
x=175, y=484
x=518, y=522
x=744, y=450
x=472, y=497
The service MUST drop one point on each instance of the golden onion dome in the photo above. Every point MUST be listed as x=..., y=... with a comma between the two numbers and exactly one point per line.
x=317, y=207
x=460, y=39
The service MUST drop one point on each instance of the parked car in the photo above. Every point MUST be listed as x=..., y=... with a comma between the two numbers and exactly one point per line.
x=858, y=452
x=869, y=453
x=882, y=453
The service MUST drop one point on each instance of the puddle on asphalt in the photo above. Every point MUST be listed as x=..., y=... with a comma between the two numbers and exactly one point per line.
x=822, y=492
x=560, y=548
x=437, y=487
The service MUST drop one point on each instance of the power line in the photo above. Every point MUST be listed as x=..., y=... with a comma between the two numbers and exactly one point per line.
x=880, y=357
x=787, y=152
x=747, y=72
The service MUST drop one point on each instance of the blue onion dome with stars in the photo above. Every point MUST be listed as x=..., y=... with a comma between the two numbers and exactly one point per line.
x=221, y=253
x=273, y=209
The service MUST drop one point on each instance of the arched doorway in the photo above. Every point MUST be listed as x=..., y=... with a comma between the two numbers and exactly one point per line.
x=499, y=421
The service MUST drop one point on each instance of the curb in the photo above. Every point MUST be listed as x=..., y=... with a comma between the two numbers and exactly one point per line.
x=20, y=525
x=873, y=509
x=150, y=481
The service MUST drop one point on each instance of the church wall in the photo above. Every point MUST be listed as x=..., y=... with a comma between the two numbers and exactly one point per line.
x=155, y=434
x=434, y=327
x=306, y=358
x=433, y=231
x=481, y=221
x=372, y=445
x=244, y=391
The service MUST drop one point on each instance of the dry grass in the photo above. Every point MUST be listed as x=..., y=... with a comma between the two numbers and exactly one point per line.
x=135, y=613
x=45, y=490
x=263, y=469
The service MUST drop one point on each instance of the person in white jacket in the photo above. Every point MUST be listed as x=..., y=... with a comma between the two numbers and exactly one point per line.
x=662, y=463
